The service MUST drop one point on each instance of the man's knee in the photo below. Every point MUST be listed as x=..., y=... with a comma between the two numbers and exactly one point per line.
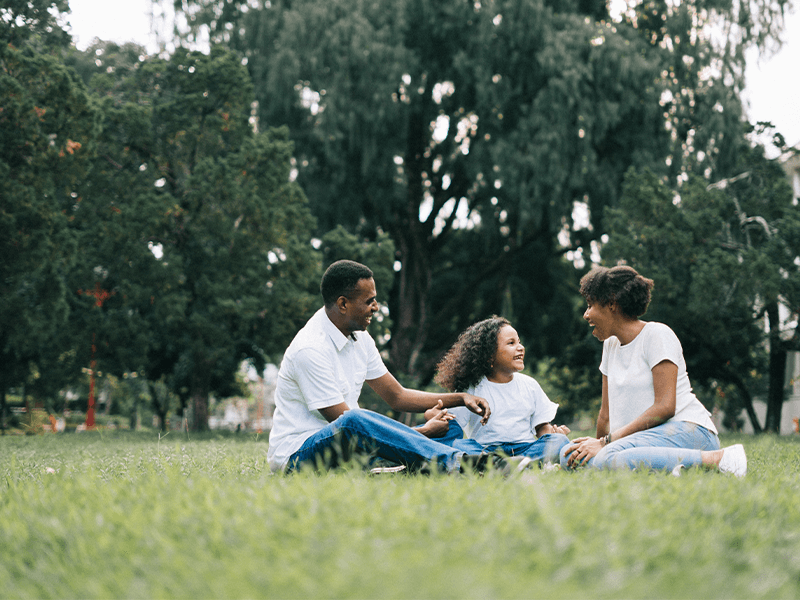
x=354, y=418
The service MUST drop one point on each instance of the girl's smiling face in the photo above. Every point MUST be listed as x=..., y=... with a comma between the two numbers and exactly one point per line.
x=510, y=355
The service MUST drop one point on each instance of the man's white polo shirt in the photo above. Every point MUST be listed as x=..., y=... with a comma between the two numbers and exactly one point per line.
x=321, y=367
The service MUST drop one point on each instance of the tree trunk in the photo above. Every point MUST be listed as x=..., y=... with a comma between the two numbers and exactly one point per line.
x=747, y=399
x=777, y=371
x=411, y=313
x=410, y=329
x=159, y=407
x=3, y=408
x=199, y=400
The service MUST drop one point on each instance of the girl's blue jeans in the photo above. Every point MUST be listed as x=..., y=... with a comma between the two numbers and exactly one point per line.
x=365, y=432
x=663, y=447
x=544, y=449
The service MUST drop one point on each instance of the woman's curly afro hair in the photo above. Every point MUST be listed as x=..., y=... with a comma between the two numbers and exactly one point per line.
x=471, y=357
x=620, y=284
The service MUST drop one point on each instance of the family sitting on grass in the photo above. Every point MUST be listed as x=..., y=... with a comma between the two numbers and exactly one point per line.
x=493, y=415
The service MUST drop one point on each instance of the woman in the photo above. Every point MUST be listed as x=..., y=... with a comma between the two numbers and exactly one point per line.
x=649, y=415
x=486, y=360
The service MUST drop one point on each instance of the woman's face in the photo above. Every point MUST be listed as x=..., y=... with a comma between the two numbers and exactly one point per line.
x=510, y=355
x=602, y=318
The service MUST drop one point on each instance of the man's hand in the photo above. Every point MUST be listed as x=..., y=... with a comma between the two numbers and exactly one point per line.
x=479, y=406
x=438, y=421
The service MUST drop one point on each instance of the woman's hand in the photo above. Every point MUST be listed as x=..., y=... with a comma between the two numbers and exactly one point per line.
x=583, y=449
x=479, y=406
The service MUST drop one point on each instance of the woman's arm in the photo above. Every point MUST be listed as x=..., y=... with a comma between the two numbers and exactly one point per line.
x=584, y=448
x=665, y=383
x=602, y=416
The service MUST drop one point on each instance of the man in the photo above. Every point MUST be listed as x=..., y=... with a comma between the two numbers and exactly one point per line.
x=320, y=380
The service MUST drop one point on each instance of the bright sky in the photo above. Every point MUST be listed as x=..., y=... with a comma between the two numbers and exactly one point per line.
x=772, y=94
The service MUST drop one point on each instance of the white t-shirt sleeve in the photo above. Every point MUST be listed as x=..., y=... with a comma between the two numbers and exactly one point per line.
x=663, y=346
x=316, y=379
x=544, y=409
x=375, y=365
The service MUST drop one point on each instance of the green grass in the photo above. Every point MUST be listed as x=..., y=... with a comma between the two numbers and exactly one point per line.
x=125, y=515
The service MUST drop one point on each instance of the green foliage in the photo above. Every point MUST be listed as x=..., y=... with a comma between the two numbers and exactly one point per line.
x=576, y=390
x=191, y=226
x=33, y=21
x=469, y=132
x=203, y=517
x=48, y=125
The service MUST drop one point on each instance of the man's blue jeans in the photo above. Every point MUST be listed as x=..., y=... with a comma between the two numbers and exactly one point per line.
x=545, y=449
x=660, y=448
x=366, y=432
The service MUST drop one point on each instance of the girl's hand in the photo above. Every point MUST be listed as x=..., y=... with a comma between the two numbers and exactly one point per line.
x=582, y=450
x=548, y=428
x=438, y=421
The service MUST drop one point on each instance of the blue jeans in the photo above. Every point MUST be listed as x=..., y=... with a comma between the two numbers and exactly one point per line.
x=364, y=432
x=661, y=448
x=546, y=448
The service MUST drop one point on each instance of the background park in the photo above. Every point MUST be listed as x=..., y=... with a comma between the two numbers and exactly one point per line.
x=166, y=218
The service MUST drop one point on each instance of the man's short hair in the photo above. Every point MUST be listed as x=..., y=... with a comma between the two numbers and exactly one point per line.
x=341, y=278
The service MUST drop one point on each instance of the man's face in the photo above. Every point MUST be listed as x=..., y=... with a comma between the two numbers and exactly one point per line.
x=361, y=305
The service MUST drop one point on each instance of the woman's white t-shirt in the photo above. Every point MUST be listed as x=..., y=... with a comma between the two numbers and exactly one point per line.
x=629, y=370
x=517, y=408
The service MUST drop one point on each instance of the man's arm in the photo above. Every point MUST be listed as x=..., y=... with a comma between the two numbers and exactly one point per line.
x=331, y=413
x=403, y=399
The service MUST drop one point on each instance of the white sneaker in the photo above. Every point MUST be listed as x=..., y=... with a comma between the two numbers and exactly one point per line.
x=386, y=470
x=519, y=463
x=676, y=472
x=733, y=460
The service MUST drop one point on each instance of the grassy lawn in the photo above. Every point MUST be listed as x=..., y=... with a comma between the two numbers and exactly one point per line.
x=125, y=515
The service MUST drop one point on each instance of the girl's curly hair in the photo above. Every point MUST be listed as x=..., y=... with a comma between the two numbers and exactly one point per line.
x=471, y=357
x=621, y=284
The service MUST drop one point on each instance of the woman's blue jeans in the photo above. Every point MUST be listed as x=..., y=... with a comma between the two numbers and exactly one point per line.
x=660, y=448
x=365, y=432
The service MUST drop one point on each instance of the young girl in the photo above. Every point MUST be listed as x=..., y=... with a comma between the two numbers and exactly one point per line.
x=486, y=361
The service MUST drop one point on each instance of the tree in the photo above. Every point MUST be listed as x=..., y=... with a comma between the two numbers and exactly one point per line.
x=764, y=230
x=47, y=128
x=192, y=225
x=471, y=133
x=33, y=22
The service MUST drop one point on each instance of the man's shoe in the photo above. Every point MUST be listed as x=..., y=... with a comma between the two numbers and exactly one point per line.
x=384, y=470
x=734, y=460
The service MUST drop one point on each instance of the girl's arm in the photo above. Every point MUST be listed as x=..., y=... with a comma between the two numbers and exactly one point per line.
x=545, y=428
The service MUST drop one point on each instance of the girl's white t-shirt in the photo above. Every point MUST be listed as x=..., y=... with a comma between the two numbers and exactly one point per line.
x=629, y=369
x=517, y=408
